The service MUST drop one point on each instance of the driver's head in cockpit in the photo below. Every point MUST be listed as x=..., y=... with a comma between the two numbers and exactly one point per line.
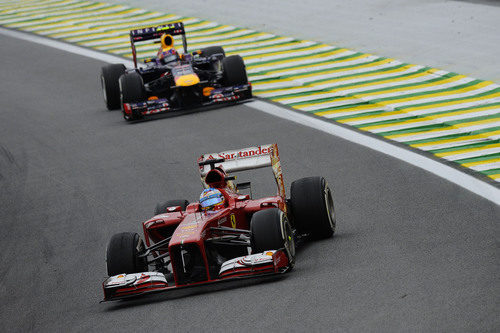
x=167, y=53
x=211, y=199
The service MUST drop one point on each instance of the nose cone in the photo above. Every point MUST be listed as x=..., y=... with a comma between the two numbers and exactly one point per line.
x=187, y=80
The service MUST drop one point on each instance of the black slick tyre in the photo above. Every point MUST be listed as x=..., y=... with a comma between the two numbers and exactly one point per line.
x=270, y=230
x=110, y=75
x=122, y=254
x=161, y=208
x=312, y=207
x=131, y=91
x=211, y=50
x=233, y=71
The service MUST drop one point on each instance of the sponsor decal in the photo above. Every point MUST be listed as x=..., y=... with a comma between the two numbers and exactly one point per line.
x=221, y=221
x=257, y=151
x=143, y=278
x=189, y=227
x=193, y=222
x=233, y=221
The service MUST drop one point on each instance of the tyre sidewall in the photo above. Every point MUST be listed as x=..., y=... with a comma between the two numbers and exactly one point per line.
x=234, y=71
x=131, y=91
x=122, y=254
x=312, y=207
x=109, y=83
x=271, y=230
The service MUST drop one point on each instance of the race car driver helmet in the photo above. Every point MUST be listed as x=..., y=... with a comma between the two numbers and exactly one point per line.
x=167, y=52
x=211, y=199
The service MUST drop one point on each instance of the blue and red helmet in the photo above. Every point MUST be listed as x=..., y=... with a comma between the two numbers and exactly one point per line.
x=211, y=199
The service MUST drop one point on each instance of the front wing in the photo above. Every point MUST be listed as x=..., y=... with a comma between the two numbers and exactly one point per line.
x=163, y=105
x=254, y=265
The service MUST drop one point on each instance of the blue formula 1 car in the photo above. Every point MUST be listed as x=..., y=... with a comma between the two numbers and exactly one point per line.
x=173, y=81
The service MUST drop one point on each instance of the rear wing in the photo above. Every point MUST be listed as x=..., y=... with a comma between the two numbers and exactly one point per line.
x=246, y=159
x=149, y=33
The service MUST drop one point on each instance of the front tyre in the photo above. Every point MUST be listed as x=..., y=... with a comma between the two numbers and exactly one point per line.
x=110, y=75
x=122, y=255
x=270, y=230
x=233, y=71
x=131, y=91
x=312, y=207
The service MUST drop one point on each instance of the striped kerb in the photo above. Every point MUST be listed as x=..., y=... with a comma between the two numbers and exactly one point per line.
x=454, y=117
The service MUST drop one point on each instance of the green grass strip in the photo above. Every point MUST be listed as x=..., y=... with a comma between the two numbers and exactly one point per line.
x=312, y=83
x=491, y=172
x=388, y=90
x=347, y=85
x=62, y=17
x=96, y=29
x=467, y=146
x=258, y=63
x=402, y=108
x=318, y=71
x=43, y=10
x=321, y=62
x=391, y=98
x=453, y=136
x=478, y=159
x=442, y=124
x=409, y=115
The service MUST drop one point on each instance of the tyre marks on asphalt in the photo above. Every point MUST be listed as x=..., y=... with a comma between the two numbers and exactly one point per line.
x=451, y=116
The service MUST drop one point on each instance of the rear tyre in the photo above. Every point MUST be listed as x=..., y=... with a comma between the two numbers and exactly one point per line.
x=312, y=207
x=110, y=75
x=161, y=208
x=122, y=254
x=211, y=50
x=131, y=91
x=233, y=71
x=270, y=230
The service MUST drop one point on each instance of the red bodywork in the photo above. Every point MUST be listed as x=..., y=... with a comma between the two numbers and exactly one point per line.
x=204, y=235
x=193, y=226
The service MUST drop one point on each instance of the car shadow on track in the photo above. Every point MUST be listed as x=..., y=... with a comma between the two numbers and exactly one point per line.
x=191, y=291
x=215, y=287
x=179, y=113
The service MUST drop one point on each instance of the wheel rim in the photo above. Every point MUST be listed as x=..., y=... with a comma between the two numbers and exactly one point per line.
x=330, y=212
x=103, y=86
x=289, y=241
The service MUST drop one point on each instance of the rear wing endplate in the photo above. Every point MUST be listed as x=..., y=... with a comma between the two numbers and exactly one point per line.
x=149, y=33
x=246, y=159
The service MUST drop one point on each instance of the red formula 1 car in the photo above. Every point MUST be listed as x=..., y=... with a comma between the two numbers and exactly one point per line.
x=236, y=237
x=173, y=81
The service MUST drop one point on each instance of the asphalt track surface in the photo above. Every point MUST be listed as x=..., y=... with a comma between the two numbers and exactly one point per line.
x=412, y=251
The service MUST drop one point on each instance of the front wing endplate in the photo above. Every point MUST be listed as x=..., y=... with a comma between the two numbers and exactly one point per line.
x=255, y=265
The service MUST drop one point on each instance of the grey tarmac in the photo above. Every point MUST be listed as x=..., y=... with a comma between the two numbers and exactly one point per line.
x=412, y=252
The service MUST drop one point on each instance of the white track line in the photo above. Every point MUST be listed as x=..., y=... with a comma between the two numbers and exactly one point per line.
x=453, y=175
